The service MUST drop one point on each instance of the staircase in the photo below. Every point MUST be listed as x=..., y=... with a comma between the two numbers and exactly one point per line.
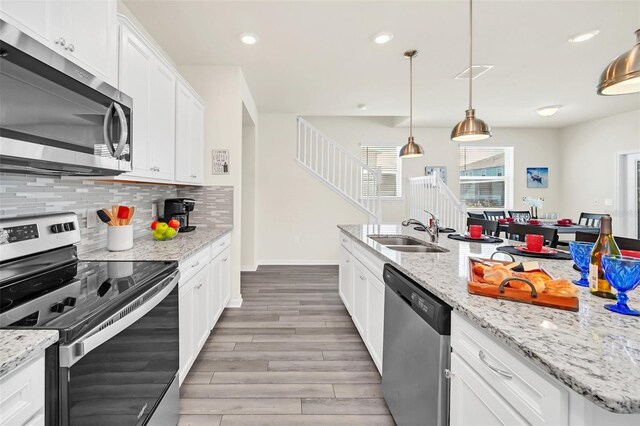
x=341, y=171
x=431, y=193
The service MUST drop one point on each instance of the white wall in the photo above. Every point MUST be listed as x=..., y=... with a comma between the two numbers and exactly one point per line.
x=291, y=203
x=248, y=261
x=224, y=92
x=588, y=152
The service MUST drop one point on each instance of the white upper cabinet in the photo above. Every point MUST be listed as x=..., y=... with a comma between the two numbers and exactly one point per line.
x=85, y=32
x=189, y=135
x=162, y=107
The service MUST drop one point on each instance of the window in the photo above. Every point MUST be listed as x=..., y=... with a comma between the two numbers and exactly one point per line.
x=486, y=177
x=387, y=158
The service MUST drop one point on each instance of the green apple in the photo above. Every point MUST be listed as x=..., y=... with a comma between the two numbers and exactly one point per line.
x=170, y=233
x=157, y=235
x=162, y=227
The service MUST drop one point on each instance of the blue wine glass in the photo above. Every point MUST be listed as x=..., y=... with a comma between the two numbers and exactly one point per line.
x=581, y=255
x=623, y=273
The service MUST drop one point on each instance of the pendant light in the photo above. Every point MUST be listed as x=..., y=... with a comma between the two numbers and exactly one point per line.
x=471, y=128
x=622, y=75
x=411, y=149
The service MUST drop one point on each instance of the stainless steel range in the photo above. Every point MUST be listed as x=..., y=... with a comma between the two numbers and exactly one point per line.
x=116, y=361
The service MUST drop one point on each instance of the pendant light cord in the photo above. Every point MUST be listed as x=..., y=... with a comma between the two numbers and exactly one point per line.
x=470, y=53
x=411, y=96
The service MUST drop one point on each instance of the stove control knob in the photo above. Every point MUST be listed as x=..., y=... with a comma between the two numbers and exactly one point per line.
x=70, y=301
x=57, y=307
x=54, y=229
x=67, y=227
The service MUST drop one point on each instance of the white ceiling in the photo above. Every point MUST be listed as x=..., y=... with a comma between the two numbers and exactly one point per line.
x=317, y=57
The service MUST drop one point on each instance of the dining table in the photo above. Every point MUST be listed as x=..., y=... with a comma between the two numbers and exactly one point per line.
x=562, y=229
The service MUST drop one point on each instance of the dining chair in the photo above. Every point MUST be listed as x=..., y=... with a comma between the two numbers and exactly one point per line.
x=476, y=215
x=494, y=214
x=523, y=215
x=622, y=242
x=518, y=232
x=590, y=219
x=489, y=227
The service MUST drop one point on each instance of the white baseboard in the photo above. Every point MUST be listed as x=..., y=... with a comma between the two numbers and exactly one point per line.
x=297, y=262
x=235, y=303
x=251, y=268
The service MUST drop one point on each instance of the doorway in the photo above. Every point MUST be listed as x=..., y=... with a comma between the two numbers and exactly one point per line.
x=628, y=178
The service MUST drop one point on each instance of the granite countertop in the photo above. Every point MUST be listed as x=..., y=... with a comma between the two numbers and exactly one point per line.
x=146, y=248
x=594, y=351
x=18, y=346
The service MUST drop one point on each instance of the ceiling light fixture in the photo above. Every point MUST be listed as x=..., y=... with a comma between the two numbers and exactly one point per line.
x=584, y=36
x=471, y=128
x=248, y=38
x=363, y=107
x=411, y=149
x=622, y=75
x=548, y=111
x=382, y=38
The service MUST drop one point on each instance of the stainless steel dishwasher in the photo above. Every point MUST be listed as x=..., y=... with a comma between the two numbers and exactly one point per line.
x=417, y=351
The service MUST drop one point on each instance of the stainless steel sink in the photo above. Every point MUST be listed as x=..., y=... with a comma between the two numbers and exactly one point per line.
x=419, y=249
x=407, y=244
x=399, y=240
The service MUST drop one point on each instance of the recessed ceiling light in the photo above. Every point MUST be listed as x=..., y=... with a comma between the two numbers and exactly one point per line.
x=548, y=111
x=580, y=37
x=362, y=107
x=248, y=38
x=382, y=38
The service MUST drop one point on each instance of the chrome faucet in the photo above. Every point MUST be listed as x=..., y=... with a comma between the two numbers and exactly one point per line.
x=433, y=230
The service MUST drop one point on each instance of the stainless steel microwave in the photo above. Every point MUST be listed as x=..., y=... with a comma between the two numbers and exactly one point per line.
x=55, y=117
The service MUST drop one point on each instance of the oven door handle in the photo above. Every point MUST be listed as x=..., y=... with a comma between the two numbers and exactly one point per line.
x=75, y=351
x=116, y=151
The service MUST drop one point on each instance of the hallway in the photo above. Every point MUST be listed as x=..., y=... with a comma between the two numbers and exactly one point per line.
x=289, y=356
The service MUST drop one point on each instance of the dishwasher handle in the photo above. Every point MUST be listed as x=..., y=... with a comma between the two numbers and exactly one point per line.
x=404, y=299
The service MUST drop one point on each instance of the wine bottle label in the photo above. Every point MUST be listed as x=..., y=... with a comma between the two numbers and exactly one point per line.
x=593, y=277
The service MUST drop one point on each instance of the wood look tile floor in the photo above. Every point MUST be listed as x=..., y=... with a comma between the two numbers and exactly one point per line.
x=289, y=356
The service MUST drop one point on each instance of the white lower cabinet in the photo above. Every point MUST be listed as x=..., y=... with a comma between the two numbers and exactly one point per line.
x=205, y=289
x=361, y=288
x=22, y=394
x=345, y=283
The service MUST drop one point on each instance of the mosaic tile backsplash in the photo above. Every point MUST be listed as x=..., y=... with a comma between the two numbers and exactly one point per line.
x=22, y=195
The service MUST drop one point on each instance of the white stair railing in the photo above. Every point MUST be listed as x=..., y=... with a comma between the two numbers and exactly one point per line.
x=431, y=193
x=339, y=170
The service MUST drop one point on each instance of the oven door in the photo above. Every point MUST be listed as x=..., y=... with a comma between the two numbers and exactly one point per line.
x=126, y=371
x=57, y=118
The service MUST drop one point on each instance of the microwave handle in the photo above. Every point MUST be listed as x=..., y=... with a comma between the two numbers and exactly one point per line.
x=74, y=352
x=115, y=151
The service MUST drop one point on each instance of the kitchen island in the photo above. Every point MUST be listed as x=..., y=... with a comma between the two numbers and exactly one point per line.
x=593, y=352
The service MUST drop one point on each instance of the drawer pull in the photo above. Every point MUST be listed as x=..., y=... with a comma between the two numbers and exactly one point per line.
x=348, y=261
x=483, y=358
x=195, y=264
x=222, y=244
x=225, y=259
x=362, y=277
x=198, y=286
x=344, y=241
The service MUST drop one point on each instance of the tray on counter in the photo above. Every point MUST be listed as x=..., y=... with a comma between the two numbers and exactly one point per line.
x=503, y=292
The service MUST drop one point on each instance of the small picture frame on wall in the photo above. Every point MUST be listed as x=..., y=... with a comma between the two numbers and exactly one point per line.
x=442, y=170
x=220, y=162
x=537, y=177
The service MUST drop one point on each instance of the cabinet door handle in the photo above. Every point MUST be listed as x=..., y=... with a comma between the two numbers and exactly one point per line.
x=195, y=264
x=70, y=47
x=344, y=241
x=448, y=374
x=221, y=244
x=503, y=373
x=225, y=259
x=198, y=286
x=348, y=261
x=61, y=41
x=362, y=277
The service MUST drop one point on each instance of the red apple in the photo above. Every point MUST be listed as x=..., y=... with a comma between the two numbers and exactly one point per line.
x=154, y=224
x=175, y=224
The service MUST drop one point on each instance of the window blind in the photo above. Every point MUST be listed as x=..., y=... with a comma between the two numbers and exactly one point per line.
x=385, y=157
x=486, y=176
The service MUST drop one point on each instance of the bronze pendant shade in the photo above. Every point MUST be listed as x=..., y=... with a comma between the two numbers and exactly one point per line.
x=471, y=128
x=411, y=149
x=622, y=75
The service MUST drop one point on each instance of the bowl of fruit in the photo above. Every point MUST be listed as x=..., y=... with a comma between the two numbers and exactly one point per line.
x=163, y=231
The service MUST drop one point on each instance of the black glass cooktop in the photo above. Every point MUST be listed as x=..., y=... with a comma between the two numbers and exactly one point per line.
x=72, y=296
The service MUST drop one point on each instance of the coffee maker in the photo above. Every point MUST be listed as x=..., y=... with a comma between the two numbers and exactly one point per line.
x=179, y=208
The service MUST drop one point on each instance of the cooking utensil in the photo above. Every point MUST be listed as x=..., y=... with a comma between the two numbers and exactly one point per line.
x=114, y=214
x=104, y=216
x=132, y=211
x=123, y=215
